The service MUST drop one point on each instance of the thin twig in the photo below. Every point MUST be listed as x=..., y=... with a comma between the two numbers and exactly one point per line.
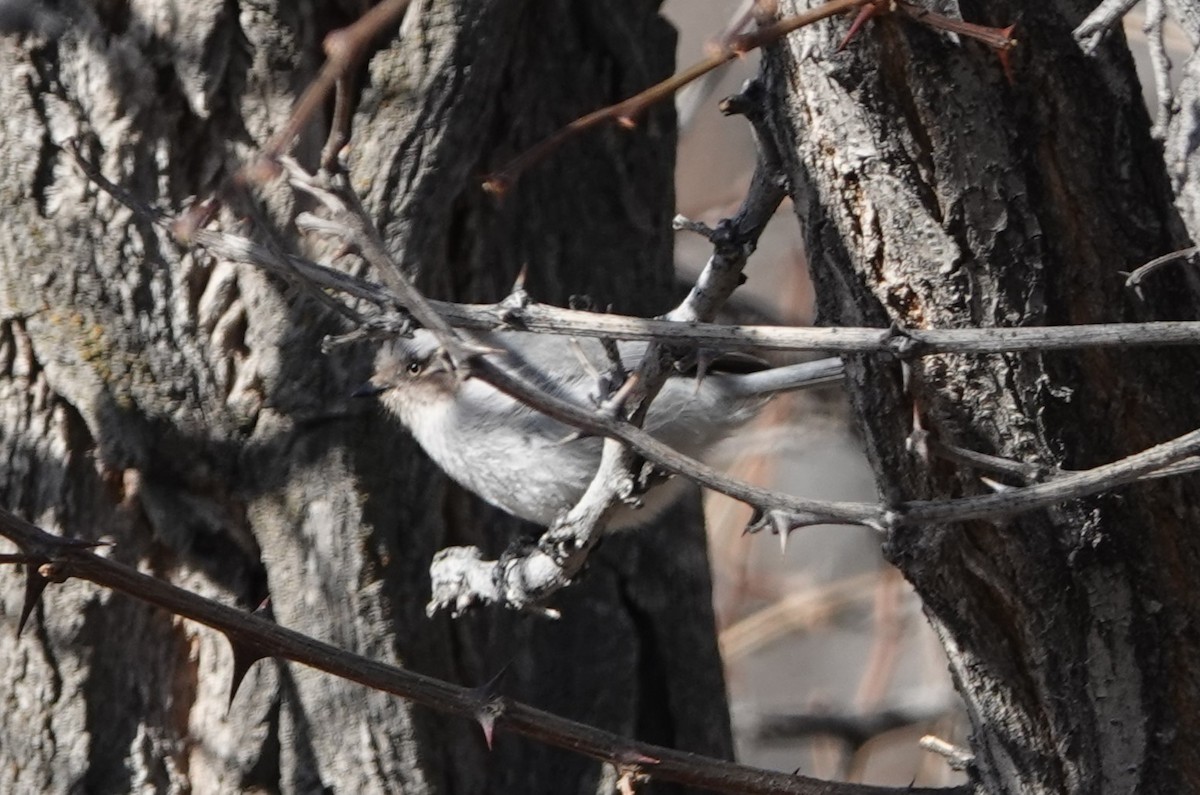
x=355, y=228
x=1041, y=495
x=999, y=39
x=1135, y=279
x=344, y=48
x=626, y=111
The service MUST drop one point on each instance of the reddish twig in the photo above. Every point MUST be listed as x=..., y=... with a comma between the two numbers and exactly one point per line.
x=999, y=39
x=344, y=49
x=626, y=111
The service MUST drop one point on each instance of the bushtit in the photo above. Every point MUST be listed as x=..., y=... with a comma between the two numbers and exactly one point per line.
x=535, y=467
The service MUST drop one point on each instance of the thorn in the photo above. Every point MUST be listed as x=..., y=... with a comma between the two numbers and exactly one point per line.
x=193, y=219
x=631, y=758
x=487, y=722
x=764, y=11
x=491, y=688
x=918, y=438
x=548, y=613
x=35, y=583
x=703, y=361
x=783, y=528
x=864, y=15
x=627, y=122
x=491, y=703
x=244, y=656
x=487, y=714
x=518, y=287
x=516, y=301
x=344, y=250
x=994, y=485
x=1004, y=53
x=496, y=185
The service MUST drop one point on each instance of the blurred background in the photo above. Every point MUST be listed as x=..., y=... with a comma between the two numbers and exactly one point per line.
x=831, y=667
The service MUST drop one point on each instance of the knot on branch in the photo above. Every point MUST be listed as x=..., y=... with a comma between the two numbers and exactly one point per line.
x=748, y=102
x=730, y=243
x=901, y=344
x=512, y=308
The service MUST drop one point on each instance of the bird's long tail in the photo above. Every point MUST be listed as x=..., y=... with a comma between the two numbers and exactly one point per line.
x=790, y=377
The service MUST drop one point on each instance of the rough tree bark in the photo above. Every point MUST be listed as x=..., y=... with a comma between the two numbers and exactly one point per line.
x=178, y=406
x=935, y=193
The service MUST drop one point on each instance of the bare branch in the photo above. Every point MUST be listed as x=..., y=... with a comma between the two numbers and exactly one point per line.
x=1091, y=31
x=355, y=228
x=1136, y=278
x=1060, y=489
x=564, y=548
x=69, y=558
x=902, y=343
x=627, y=111
x=525, y=581
x=1154, y=27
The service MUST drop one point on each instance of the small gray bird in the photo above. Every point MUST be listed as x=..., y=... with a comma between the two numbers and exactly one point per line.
x=535, y=467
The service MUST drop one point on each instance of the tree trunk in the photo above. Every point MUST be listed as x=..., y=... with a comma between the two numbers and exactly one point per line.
x=178, y=406
x=934, y=192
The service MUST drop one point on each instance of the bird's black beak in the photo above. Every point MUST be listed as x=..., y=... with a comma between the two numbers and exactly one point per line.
x=368, y=390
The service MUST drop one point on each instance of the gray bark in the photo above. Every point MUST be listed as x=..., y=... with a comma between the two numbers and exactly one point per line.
x=935, y=194
x=179, y=406
x=1181, y=148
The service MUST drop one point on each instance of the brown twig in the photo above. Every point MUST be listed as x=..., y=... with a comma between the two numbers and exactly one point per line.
x=999, y=39
x=627, y=111
x=344, y=49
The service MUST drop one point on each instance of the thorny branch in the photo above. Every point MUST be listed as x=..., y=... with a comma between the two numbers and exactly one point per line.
x=526, y=581
x=626, y=112
x=49, y=558
x=344, y=49
x=527, y=315
x=52, y=559
x=797, y=512
x=462, y=578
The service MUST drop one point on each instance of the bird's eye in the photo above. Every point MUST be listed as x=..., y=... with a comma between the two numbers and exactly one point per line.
x=414, y=368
